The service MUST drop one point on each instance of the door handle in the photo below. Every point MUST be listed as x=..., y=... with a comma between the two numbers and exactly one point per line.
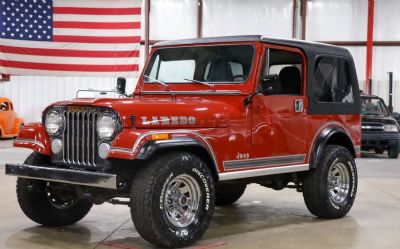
x=298, y=105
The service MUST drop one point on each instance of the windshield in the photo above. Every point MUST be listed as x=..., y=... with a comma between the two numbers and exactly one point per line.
x=210, y=64
x=371, y=106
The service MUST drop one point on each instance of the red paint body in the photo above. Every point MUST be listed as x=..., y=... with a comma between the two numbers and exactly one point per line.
x=267, y=127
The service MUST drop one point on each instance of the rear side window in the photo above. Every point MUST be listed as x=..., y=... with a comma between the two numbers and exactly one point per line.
x=332, y=80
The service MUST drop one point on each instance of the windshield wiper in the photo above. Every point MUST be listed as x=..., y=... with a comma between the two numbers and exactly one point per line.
x=200, y=82
x=154, y=80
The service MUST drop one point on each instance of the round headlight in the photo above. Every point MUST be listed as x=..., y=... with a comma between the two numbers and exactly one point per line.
x=106, y=126
x=53, y=122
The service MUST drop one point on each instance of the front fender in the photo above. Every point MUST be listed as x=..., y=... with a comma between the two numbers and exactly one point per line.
x=34, y=136
x=138, y=144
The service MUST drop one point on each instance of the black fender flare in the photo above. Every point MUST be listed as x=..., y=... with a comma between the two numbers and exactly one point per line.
x=330, y=135
x=149, y=148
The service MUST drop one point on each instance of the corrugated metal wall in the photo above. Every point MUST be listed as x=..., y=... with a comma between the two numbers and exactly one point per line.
x=31, y=95
x=346, y=20
x=341, y=20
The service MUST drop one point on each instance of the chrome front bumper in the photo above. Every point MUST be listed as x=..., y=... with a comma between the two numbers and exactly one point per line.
x=77, y=177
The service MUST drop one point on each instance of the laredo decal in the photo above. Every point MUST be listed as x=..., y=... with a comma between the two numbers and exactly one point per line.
x=168, y=120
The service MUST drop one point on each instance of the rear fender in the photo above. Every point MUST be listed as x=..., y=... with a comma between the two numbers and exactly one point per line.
x=330, y=135
x=34, y=136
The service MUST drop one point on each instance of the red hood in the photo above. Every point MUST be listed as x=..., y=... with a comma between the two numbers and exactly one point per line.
x=150, y=112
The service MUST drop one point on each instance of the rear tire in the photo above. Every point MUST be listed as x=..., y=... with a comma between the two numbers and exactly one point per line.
x=329, y=190
x=228, y=194
x=39, y=203
x=172, y=200
x=393, y=151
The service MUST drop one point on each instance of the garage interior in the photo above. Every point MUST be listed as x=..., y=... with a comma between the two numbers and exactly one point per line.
x=262, y=218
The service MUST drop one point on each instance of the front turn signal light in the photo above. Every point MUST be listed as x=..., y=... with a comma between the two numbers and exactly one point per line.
x=160, y=136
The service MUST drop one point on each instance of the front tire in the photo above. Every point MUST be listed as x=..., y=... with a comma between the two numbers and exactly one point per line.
x=330, y=189
x=40, y=201
x=393, y=151
x=172, y=200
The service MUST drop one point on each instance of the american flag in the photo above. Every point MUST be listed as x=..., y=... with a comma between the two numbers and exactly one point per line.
x=70, y=37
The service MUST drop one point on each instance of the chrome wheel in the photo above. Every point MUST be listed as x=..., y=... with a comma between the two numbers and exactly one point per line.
x=338, y=182
x=181, y=200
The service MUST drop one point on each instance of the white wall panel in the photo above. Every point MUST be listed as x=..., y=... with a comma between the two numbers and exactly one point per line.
x=173, y=19
x=387, y=20
x=359, y=57
x=333, y=20
x=232, y=17
x=31, y=95
x=386, y=59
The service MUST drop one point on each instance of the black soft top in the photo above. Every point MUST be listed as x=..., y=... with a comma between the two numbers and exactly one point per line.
x=310, y=48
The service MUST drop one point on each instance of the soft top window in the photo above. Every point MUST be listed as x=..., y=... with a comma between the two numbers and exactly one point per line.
x=215, y=64
x=332, y=81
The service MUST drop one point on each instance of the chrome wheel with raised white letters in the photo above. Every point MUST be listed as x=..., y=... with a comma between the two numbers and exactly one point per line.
x=181, y=201
x=338, y=182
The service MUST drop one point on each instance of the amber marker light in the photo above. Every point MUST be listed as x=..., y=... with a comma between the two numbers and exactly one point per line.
x=160, y=136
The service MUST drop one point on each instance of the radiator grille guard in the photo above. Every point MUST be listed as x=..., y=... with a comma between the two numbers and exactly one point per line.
x=79, y=138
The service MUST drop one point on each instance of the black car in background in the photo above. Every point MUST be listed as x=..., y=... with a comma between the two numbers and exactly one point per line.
x=380, y=131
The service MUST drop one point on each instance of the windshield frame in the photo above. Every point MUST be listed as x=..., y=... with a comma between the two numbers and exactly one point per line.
x=217, y=83
x=380, y=101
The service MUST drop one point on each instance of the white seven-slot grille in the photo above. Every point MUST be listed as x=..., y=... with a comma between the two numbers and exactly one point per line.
x=80, y=138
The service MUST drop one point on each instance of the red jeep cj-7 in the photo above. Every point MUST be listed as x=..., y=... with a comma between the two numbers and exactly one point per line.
x=208, y=117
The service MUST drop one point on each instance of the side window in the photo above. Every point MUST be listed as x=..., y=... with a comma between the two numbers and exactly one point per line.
x=332, y=81
x=288, y=67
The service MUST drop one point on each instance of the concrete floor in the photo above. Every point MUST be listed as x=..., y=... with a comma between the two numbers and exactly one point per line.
x=262, y=218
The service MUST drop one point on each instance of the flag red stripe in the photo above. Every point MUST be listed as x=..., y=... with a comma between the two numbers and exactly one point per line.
x=96, y=39
x=69, y=67
x=97, y=25
x=68, y=52
x=96, y=11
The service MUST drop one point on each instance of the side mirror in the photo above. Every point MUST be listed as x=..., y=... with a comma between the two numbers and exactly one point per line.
x=265, y=87
x=267, y=83
x=396, y=115
x=121, y=85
